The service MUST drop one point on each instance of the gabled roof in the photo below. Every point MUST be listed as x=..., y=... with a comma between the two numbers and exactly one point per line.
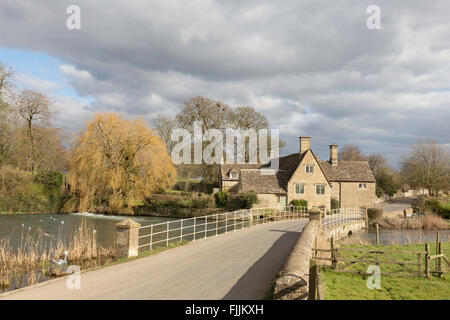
x=348, y=171
x=226, y=169
x=252, y=179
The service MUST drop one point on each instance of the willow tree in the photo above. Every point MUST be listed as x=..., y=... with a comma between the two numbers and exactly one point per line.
x=115, y=160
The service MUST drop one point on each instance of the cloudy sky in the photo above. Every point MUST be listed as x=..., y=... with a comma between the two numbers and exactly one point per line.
x=312, y=67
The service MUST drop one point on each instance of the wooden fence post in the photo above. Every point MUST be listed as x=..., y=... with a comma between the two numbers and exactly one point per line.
x=437, y=250
x=439, y=268
x=312, y=285
x=377, y=234
x=419, y=264
x=319, y=285
x=427, y=261
x=333, y=254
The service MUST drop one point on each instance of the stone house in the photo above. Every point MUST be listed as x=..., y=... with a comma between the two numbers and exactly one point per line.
x=303, y=176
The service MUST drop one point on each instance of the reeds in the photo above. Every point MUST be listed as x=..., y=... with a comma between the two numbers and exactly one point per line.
x=32, y=262
x=428, y=221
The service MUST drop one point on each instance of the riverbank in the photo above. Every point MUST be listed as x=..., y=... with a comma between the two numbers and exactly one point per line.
x=342, y=286
x=423, y=222
x=42, y=256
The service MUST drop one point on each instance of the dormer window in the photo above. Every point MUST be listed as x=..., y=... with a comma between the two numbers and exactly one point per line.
x=309, y=168
x=233, y=175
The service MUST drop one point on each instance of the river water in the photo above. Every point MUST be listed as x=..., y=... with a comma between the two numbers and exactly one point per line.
x=16, y=227
x=399, y=237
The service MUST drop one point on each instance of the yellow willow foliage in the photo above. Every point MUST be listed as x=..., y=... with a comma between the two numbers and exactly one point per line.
x=117, y=160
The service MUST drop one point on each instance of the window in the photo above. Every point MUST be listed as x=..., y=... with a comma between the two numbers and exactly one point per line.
x=362, y=186
x=320, y=189
x=299, y=188
x=309, y=168
x=234, y=175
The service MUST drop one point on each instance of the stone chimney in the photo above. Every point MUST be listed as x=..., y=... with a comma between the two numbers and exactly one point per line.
x=334, y=154
x=305, y=144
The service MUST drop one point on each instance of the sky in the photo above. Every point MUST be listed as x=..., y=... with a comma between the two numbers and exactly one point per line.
x=311, y=67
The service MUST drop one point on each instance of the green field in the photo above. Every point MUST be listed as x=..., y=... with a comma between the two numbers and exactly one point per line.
x=342, y=286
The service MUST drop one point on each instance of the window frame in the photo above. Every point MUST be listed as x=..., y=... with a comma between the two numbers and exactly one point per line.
x=320, y=189
x=299, y=185
x=309, y=168
x=362, y=186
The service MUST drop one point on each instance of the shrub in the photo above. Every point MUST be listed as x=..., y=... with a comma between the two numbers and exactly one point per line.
x=424, y=206
x=243, y=200
x=374, y=214
x=334, y=204
x=221, y=198
x=248, y=199
x=51, y=180
x=379, y=192
x=299, y=203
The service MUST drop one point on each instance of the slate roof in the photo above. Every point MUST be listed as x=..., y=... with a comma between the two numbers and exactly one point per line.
x=252, y=179
x=227, y=168
x=348, y=171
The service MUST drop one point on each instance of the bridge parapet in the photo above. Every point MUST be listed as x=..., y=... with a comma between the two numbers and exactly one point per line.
x=292, y=281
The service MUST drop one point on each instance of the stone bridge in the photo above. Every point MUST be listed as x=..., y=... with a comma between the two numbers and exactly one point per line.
x=237, y=258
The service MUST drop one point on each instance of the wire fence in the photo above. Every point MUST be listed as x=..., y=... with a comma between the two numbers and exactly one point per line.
x=191, y=229
x=342, y=216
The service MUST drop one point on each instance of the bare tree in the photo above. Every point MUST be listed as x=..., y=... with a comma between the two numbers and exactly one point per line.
x=34, y=108
x=163, y=125
x=427, y=166
x=6, y=75
x=378, y=164
x=8, y=119
x=351, y=152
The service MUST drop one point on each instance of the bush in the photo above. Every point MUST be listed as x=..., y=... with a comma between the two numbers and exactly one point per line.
x=221, y=198
x=51, y=180
x=379, y=192
x=243, y=200
x=334, y=204
x=299, y=203
x=248, y=199
x=374, y=214
x=423, y=206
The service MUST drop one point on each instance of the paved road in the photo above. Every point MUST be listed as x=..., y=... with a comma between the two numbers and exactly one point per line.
x=236, y=265
x=397, y=204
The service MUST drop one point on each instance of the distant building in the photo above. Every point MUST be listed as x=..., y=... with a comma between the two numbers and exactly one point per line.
x=303, y=176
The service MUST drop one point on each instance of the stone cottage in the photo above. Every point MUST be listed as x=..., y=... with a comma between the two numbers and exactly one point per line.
x=303, y=176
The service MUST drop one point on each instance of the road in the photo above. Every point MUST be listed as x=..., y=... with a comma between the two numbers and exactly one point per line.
x=237, y=265
x=396, y=205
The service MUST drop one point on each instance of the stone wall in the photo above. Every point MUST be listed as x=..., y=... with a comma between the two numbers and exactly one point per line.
x=352, y=196
x=309, y=180
x=267, y=200
x=343, y=231
x=292, y=281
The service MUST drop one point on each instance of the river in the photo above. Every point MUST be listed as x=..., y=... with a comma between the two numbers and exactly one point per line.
x=399, y=237
x=16, y=226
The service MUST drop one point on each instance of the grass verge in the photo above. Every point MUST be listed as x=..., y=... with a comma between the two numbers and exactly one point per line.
x=342, y=286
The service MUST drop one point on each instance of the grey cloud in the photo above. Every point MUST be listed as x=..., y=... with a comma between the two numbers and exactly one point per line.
x=311, y=66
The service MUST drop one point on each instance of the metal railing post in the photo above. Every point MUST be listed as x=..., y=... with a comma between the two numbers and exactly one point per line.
x=167, y=234
x=181, y=231
x=226, y=222
x=206, y=226
x=217, y=223
x=194, y=228
x=151, y=237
